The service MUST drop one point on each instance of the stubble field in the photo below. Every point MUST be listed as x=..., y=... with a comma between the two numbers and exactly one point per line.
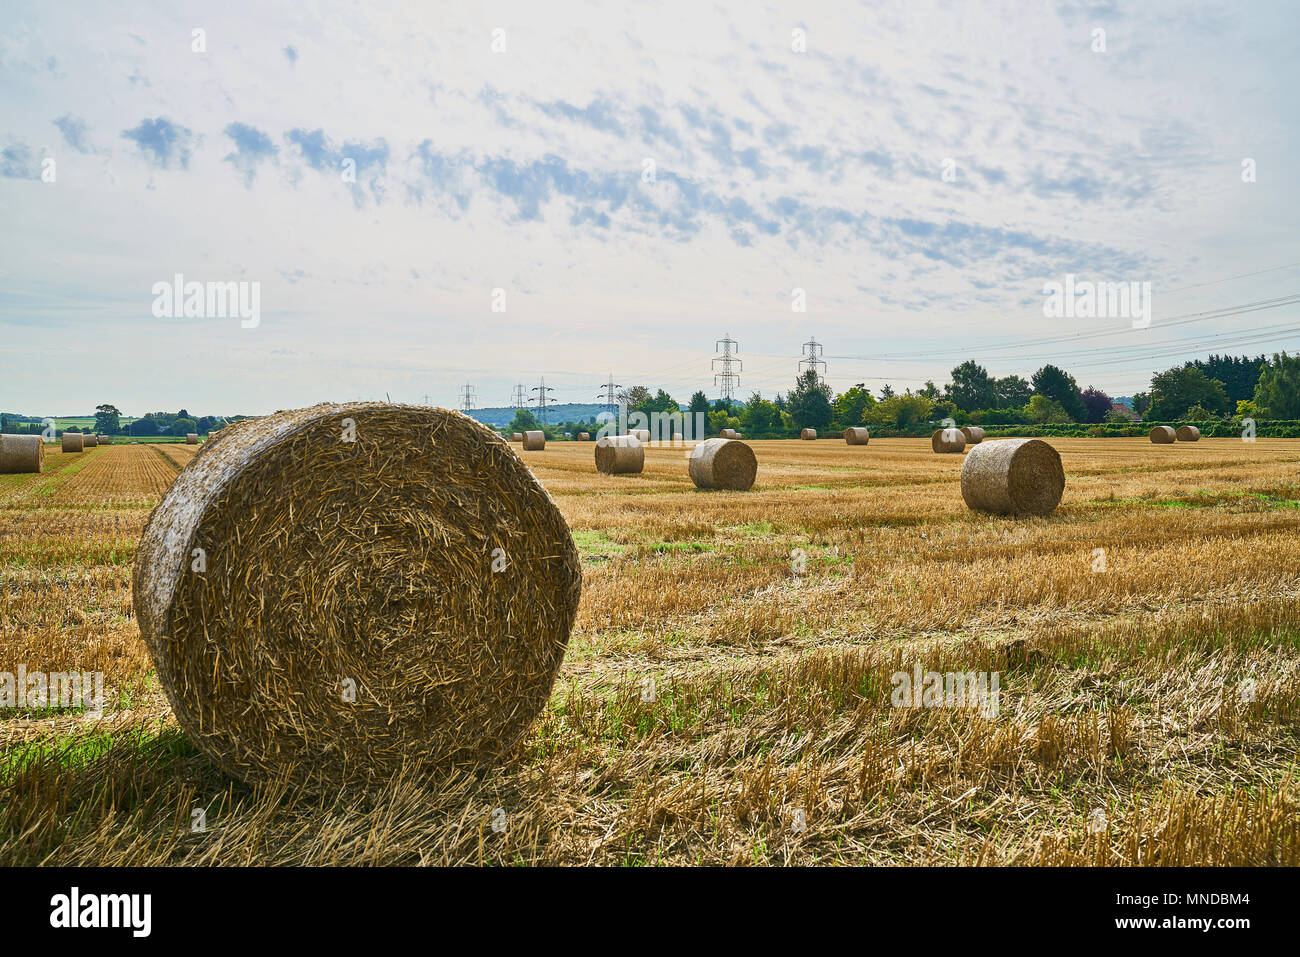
x=726, y=695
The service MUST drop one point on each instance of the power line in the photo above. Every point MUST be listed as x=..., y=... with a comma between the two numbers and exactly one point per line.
x=812, y=352
x=730, y=380
x=520, y=398
x=608, y=394
x=541, y=399
x=1215, y=282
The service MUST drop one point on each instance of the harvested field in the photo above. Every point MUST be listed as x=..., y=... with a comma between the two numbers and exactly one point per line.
x=726, y=694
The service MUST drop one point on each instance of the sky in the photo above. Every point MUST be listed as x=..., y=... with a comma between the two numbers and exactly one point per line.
x=630, y=183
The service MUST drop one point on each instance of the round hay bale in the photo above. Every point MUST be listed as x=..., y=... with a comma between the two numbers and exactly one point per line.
x=641, y=435
x=808, y=434
x=534, y=441
x=191, y=438
x=619, y=455
x=1163, y=435
x=723, y=464
x=1013, y=477
x=974, y=434
x=1188, y=433
x=89, y=441
x=517, y=437
x=21, y=453
x=105, y=439
x=584, y=437
x=948, y=440
x=857, y=436
x=401, y=600
x=728, y=434
x=74, y=442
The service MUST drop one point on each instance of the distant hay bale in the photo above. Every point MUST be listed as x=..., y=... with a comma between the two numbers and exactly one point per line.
x=619, y=455
x=105, y=439
x=1013, y=477
x=21, y=453
x=974, y=434
x=857, y=436
x=729, y=434
x=401, y=600
x=191, y=438
x=948, y=440
x=808, y=434
x=1188, y=433
x=641, y=435
x=584, y=437
x=73, y=442
x=89, y=441
x=534, y=441
x=1163, y=435
x=517, y=437
x=723, y=464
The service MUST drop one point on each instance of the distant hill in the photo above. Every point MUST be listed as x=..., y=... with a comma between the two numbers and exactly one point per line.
x=561, y=412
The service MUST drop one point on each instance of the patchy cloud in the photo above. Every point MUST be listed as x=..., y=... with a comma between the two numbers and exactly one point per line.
x=164, y=143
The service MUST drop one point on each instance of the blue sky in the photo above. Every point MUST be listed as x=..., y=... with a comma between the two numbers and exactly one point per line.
x=524, y=169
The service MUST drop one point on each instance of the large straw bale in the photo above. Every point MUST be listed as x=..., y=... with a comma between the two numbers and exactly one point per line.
x=400, y=600
x=1163, y=435
x=948, y=440
x=534, y=441
x=1188, y=433
x=191, y=438
x=973, y=433
x=89, y=441
x=723, y=464
x=857, y=436
x=641, y=435
x=21, y=453
x=74, y=442
x=619, y=455
x=808, y=434
x=1013, y=477
x=517, y=437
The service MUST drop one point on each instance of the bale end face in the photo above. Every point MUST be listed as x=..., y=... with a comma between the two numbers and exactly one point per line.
x=1013, y=477
x=724, y=464
x=335, y=594
x=1188, y=433
x=1163, y=435
x=948, y=440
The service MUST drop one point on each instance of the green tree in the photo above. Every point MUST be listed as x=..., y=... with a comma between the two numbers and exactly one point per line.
x=183, y=426
x=1012, y=392
x=852, y=404
x=107, y=419
x=971, y=387
x=1059, y=386
x=144, y=426
x=1043, y=410
x=931, y=391
x=661, y=401
x=1239, y=374
x=900, y=411
x=524, y=421
x=1176, y=390
x=887, y=392
x=1277, y=396
x=699, y=403
x=810, y=402
x=760, y=416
